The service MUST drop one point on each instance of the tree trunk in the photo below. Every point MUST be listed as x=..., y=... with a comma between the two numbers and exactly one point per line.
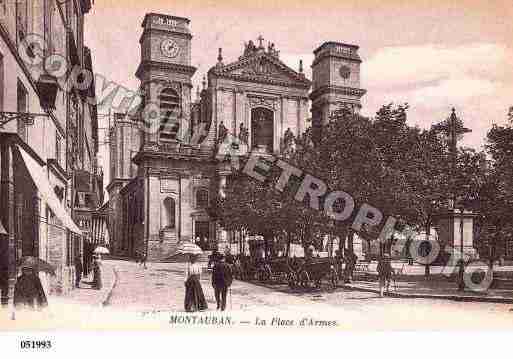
x=288, y=244
x=427, y=269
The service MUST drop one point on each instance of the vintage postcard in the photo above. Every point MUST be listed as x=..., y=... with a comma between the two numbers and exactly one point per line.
x=312, y=166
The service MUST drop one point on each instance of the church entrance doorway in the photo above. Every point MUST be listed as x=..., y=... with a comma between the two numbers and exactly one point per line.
x=202, y=235
x=262, y=130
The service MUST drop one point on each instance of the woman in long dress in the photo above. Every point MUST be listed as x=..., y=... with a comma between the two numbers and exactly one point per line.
x=194, y=297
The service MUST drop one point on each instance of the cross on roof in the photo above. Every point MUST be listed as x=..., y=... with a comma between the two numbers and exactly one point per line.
x=261, y=40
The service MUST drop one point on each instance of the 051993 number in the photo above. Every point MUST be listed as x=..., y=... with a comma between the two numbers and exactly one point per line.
x=36, y=344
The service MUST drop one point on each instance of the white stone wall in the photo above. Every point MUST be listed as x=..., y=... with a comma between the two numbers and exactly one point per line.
x=233, y=102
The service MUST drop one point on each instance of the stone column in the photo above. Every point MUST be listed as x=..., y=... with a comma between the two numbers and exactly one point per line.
x=239, y=109
x=456, y=228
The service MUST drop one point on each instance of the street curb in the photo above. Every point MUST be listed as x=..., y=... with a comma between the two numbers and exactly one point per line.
x=108, y=293
x=456, y=298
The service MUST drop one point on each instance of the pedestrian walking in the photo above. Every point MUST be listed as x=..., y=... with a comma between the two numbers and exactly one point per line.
x=79, y=268
x=194, y=297
x=461, y=275
x=339, y=260
x=28, y=291
x=384, y=270
x=143, y=260
x=97, y=273
x=229, y=259
x=351, y=261
x=221, y=280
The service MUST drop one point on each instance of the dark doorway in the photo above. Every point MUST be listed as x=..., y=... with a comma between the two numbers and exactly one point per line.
x=262, y=130
x=202, y=231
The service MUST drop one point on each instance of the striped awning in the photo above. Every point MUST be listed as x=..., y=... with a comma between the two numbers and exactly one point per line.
x=40, y=179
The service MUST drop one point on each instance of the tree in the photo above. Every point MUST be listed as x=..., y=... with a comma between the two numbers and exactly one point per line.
x=495, y=195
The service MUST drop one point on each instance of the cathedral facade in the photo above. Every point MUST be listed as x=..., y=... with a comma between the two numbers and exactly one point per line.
x=163, y=181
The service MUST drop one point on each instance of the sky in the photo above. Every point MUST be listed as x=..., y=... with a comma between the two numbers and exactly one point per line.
x=431, y=54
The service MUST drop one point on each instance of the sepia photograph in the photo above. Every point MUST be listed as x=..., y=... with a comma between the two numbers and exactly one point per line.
x=226, y=166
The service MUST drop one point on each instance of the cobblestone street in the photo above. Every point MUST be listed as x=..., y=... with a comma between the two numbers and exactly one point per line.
x=148, y=298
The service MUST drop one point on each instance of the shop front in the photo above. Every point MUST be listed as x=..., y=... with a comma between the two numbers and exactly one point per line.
x=35, y=221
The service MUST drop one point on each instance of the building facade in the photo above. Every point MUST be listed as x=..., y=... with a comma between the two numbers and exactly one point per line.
x=163, y=181
x=48, y=140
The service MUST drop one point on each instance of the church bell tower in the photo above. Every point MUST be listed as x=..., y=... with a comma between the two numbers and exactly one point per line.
x=165, y=73
x=336, y=80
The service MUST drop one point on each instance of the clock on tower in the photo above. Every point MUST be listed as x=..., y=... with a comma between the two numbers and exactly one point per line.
x=165, y=72
x=336, y=80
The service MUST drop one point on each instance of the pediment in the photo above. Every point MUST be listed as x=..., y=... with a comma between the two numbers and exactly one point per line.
x=262, y=68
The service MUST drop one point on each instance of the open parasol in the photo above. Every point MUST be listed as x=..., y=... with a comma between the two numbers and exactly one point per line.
x=37, y=264
x=188, y=248
x=101, y=250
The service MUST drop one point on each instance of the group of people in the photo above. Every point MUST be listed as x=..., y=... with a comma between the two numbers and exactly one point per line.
x=384, y=269
x=350, y=260
x=140, y=258
x=96, y=269
x=29, y=292
x=222, y=277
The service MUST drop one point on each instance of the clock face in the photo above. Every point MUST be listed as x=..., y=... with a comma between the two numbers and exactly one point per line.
x=169, y=48
x=345, y=72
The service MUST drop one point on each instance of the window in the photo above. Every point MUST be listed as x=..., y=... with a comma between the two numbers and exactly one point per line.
x=113, y=153
x=169, y=213
x=58, y=148
x=202, y=197
x=22, y=106
x=21, y=19
x=170, y=112
x=3, y=8
x=49, y=9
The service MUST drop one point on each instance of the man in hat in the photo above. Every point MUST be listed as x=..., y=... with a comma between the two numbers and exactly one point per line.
x=28, y=291
x=384, y=270
x=221, y=280
x=228, y=256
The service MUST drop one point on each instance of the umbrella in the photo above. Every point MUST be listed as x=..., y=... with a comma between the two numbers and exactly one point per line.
x=37, y=264
x=188, y=248
x=101, y=250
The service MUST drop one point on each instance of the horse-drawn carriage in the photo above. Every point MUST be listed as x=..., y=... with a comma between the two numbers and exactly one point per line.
x=313, y=271
x=245, y=268
x=279, y=270
x=299, y=272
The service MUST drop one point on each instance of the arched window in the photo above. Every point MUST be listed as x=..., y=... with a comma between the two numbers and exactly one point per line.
x=202, y=197
x=169, y=213
x=170, y=110
x=262, y=132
